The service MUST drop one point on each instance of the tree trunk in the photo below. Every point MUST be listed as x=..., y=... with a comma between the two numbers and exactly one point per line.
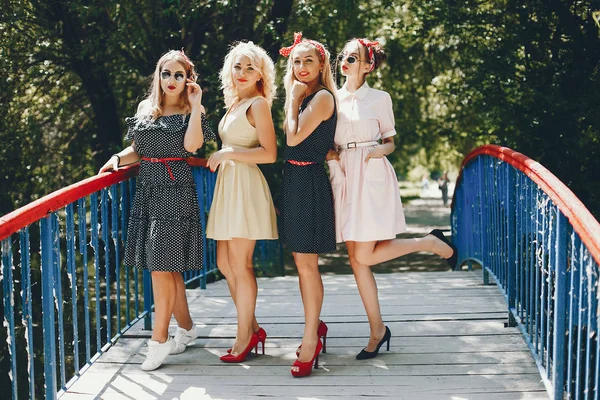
x=280, y=15
x=106, y=117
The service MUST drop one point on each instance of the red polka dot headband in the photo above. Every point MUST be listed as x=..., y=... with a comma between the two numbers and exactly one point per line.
x=286, y=51
x=369, y=45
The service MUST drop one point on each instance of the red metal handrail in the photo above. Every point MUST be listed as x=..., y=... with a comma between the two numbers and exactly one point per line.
x=583, y=222
x=34, y=211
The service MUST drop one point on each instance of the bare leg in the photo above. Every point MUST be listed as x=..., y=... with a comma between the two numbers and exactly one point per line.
x=377, y=252
x=367, y=288
x=225, y=268
x=181, y=310
x=311, y=289
x=164, y=289
x=245, y=290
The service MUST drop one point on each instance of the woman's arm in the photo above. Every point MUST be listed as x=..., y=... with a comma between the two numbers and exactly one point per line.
x=387, y=122
x=381, y=150
x=194, y=135
x=125, y=157
x=128, y=155
x=318, y=110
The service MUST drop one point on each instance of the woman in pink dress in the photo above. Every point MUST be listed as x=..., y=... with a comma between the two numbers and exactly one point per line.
x=368, y=209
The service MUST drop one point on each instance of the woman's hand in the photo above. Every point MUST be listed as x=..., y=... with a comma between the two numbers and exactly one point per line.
x=376, y=152
x=111, y=164
x=332, y=155
x=218, y=157
x=194, y=93
x=298, y=90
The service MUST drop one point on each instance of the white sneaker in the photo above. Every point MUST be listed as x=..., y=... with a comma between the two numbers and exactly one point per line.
x=183, y=338
x=157, y=352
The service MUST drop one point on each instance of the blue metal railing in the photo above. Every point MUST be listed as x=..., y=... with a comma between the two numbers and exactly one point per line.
x=525, y=228
x=62, y=275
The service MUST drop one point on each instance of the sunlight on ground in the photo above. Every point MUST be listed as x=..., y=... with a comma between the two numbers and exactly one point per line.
x=195, y=393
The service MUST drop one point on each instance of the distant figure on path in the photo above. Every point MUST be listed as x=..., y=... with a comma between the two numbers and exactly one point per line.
x=443, y=182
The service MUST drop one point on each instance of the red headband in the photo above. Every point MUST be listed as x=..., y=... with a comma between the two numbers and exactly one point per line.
x=369, y=45
x=286, y=51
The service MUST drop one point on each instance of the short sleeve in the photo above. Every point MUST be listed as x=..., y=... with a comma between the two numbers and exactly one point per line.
x=209, y=134
x=131, y=125
x=387, y=121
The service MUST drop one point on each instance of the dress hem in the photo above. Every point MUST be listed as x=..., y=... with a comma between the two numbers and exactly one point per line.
x=242, y=237
x=144, y=267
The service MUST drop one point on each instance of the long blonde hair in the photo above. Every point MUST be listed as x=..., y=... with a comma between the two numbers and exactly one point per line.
x=260, y=60
x=325, y=78
x=156, y=94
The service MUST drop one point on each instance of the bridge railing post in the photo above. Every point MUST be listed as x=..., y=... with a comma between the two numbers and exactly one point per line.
x=48, y=307
x=147, y=300
x=560, y=306
x=511, y=243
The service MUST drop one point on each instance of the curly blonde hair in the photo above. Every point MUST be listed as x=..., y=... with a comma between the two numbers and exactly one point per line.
x=156, y=94
x=260, y=60
x=326, y=78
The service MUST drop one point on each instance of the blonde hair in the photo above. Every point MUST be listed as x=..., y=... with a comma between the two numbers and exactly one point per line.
x=156, y=94
x=325, y=78
x=260, y=60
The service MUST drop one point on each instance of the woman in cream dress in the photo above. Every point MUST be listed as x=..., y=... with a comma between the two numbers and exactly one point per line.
x=242, y=210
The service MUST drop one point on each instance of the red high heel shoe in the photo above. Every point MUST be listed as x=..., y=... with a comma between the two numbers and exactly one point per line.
x=262, y=338
x=305, y=368
x=321, y=333
x=230, y=358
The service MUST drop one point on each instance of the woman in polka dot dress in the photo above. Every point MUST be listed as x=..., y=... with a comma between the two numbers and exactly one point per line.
x=307, y=227
x=164, y=232
x=368, y=209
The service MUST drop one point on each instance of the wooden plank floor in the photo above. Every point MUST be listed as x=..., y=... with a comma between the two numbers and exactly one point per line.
x=448, y=342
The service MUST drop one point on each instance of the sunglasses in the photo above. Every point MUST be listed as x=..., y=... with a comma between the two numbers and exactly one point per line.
x=166, y=75
x=350, y=59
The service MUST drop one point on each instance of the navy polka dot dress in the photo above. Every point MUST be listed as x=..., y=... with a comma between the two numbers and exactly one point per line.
x=164, y=232
x=308, y=223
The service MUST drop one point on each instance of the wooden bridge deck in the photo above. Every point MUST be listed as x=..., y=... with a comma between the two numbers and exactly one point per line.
x=448, y=342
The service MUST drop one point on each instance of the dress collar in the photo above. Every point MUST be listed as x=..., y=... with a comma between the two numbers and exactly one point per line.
x=360, y=93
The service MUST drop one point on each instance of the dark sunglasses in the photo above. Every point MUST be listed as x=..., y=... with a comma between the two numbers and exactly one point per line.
x=166, y=75
x=350, y=59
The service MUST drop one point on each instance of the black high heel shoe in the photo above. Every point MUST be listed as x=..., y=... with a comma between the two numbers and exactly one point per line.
x=365, y=355
x=453, y=259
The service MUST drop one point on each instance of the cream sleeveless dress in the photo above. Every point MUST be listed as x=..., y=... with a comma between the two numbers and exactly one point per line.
x=242, y=206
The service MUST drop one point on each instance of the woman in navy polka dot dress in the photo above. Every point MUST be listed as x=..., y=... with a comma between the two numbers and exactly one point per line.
x=307, y=227
x=164, y=232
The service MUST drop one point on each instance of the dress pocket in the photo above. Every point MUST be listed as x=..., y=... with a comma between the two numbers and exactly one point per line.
x=375, y=171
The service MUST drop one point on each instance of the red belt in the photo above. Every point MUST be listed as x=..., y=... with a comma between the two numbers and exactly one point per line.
x=301, y=163
x=166, y=162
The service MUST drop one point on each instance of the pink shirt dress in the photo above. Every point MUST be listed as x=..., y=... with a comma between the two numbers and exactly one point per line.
x=366, y=196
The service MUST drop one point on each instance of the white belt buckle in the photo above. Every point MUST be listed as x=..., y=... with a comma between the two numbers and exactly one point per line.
x=351, y=145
